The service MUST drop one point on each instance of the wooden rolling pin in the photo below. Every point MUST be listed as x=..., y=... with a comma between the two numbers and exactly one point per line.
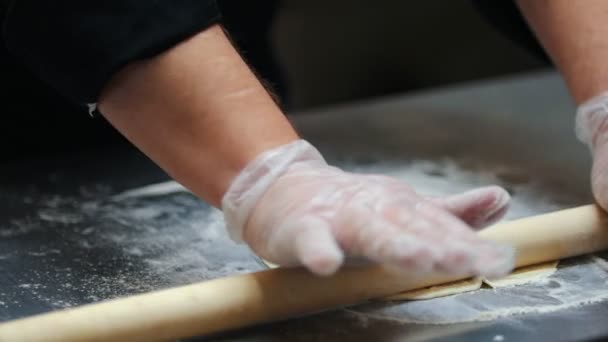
x=243, y=300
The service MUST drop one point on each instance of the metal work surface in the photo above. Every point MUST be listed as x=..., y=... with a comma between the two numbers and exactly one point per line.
x=86, y=227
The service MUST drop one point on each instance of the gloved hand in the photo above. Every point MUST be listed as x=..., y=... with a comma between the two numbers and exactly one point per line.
x=294, y=209
x=592, y=129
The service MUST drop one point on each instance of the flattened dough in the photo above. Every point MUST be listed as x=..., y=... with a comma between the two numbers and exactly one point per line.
x=524, y=275
x=520, y=276
x=436, y=291
x=269, y=264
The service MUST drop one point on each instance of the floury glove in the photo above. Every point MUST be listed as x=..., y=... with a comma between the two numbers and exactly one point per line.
x=592, y=129
x=292, y=208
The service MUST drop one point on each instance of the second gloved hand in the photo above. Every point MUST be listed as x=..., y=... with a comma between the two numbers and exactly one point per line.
x=292, y=208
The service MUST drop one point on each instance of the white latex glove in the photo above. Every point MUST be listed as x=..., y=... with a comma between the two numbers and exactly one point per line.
x=592, y=129
x=294, y=209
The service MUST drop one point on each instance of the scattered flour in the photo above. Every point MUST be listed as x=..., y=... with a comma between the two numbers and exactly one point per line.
x=82, y=250
x=174, y=235
x=601, y=262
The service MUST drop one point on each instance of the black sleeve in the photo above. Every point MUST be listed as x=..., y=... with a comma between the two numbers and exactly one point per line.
x=77, y=45
x=507, y=19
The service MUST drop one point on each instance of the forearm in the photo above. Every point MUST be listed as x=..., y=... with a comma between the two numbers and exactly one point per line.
x=575, y=34
x=197, y=111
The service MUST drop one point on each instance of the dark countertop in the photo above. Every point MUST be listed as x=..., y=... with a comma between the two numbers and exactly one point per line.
x=70, y=235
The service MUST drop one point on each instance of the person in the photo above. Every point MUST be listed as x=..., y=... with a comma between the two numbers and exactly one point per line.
x=165, y=75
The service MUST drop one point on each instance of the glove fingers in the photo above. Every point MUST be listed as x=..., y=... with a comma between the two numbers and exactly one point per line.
x=599, y=175
x=463, y=248
x=403, y=250
x=459, y=244
x=499, y=262
x=478, y=208
x=315, y=246
x=415, y=240
x=364, y=233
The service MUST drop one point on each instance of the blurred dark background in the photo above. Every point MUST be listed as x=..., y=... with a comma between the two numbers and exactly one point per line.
x=327, y=51
x=371, y=48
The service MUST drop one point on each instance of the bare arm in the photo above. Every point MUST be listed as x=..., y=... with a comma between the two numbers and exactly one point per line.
x=575, y=34
x=197, y=111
